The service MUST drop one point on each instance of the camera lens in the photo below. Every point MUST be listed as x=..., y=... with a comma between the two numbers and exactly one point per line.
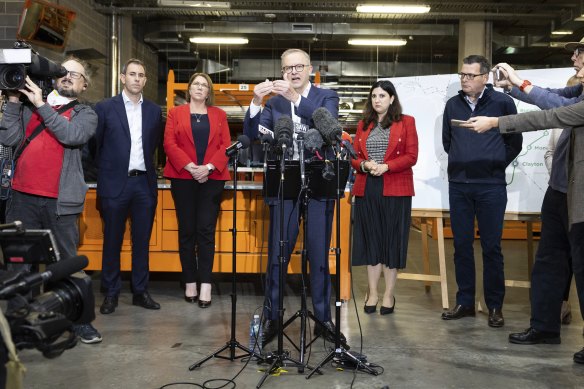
x=12, y=77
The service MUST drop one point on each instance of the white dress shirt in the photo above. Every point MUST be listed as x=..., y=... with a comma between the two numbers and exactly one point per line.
x=134, y=115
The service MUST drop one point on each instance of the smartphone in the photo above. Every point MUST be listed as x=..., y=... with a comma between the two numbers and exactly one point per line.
x=456, y=122
x=498, y=75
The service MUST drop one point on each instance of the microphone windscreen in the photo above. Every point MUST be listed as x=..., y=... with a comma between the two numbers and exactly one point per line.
x=312, y=140
x=326, y=124
x=283, y=130
x=268, y=138
x=244, y=140
x=66, y=267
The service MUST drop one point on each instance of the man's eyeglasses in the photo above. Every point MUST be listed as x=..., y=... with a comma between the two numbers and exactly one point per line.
x=75, y=75
x=199, y=85
x=298, y=68
x=469, y=76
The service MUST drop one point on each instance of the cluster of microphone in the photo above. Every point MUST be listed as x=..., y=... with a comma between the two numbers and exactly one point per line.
x=327, y=131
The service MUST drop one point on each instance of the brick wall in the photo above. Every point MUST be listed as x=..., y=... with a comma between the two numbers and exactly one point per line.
x=90, y=30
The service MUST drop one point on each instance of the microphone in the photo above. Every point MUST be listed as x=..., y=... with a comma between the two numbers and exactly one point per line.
x=268, y=139
x=300, y=140
x=327, y=125
x=283, y=131
x=16, y=225
x=313, y=140
x=242, y=143
x=347, y=143
x=54, y=272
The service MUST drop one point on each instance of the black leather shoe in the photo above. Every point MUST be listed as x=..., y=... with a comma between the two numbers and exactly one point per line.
x=496, y=318
x=579, y=356
x=387, y=310
x=533, y=336
x=145, y=301
x=204, y=304
x=269, y=331
x=109, y=305
x=328, y=333
x=458, y=312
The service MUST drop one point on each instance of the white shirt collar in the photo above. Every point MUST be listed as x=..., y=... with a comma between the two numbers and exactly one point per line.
x=127, y=99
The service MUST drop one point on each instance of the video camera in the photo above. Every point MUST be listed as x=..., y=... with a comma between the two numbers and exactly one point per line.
x=45, y=321
x=22, y=60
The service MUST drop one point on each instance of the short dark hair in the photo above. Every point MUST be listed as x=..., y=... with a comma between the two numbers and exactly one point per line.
x=133, y=61
x=482, y=61
x=394, y=113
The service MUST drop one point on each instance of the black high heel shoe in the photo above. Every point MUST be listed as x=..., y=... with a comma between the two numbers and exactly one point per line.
x=370, y=308
x=385, y=310
x=191, y=299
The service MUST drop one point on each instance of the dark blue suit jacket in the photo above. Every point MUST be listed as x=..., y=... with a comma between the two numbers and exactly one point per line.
x=114, y=142
x=277, y=106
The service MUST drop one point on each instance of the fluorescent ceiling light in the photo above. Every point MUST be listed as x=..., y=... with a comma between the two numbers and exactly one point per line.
x=194, y=4
x=562, y=32
x=219, y=40
x=393, y=9
x=378, y=42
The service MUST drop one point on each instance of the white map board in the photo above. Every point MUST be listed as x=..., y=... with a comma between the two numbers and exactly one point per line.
x=424, y=98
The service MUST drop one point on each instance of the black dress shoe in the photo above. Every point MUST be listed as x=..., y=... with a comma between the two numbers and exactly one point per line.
x=496, y=318
x=328, y=333
x=370, y=308
x=387, y=310
x=204, y=304
x=269, y=331
x=109, y=305
x=458, y=312
x=145, y=301
x=191, y=299
x=579, y=356
x=533, y=336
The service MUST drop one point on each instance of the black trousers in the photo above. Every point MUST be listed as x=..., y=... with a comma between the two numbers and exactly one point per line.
x=551, y=269
x=197, y=208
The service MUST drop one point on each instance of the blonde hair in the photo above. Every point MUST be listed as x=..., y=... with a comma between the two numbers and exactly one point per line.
x=211, y=94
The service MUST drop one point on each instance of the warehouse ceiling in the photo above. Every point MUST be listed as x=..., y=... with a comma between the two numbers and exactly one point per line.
x=521, y=30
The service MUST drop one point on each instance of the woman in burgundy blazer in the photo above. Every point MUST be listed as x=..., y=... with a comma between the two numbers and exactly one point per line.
x=387, y=147
x=195, y=140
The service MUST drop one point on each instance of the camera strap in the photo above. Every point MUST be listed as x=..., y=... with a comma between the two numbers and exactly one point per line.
x=40, y=129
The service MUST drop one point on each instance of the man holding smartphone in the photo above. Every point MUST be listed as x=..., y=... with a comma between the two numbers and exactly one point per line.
x=477, y=187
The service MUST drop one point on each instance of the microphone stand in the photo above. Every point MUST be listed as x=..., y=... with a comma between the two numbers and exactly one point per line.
x=232, y=343
x=339, y=351
x=281, y=356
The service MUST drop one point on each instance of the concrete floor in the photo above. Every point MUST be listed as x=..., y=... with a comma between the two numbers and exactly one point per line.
x=416, y=349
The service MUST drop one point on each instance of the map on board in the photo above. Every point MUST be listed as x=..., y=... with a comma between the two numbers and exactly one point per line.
x=424, y=98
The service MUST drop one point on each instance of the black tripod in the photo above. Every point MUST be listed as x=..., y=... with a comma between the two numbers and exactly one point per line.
x=339, y=351
x=303, y=313
x=232, y=344
x=280, y=358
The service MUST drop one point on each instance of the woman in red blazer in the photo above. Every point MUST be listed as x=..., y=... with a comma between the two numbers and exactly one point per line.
x=387, y=147
x=195, y=140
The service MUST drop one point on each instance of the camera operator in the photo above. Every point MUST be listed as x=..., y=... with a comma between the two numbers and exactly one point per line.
x=48, y=189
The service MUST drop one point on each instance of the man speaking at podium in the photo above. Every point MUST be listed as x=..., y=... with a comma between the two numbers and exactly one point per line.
x=296, y=97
